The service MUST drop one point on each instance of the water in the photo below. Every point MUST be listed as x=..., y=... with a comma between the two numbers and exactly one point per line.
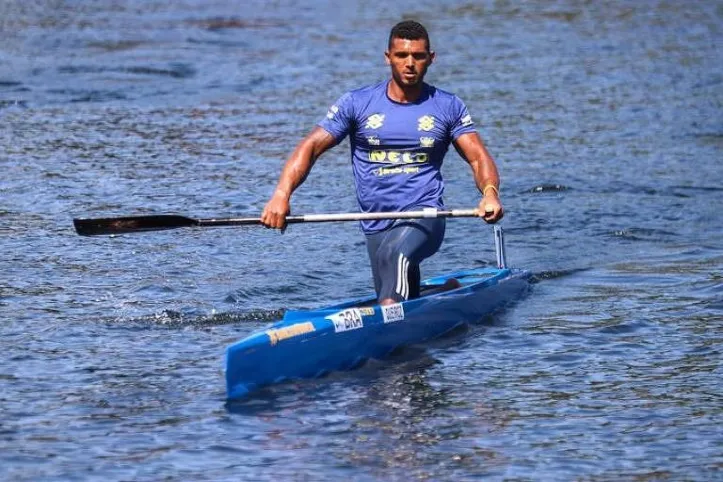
x=605, y=120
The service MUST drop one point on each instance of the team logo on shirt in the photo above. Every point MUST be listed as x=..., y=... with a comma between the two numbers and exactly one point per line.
x=426, y=123
x=375, y=121
x=467, y=120
x=332, y=112
x=373, y=140
x=426, y=141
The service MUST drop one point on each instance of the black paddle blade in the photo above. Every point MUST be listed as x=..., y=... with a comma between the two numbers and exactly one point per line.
x=131, y=224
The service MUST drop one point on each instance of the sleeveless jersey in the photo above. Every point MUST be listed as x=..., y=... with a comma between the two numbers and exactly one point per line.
x=397, y=149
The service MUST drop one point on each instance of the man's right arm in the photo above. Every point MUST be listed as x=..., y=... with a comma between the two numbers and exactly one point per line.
x=295, y=170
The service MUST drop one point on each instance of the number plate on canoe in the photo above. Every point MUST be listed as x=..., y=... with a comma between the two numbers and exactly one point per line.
x=393, y=312
x=346, y=320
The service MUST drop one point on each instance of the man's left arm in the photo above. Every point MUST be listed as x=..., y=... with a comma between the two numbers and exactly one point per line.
x=473, y=150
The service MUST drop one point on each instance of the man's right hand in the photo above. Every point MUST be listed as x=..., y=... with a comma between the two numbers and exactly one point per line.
x=276, y=210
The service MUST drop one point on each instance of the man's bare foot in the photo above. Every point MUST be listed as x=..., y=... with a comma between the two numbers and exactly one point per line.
x=451, y=284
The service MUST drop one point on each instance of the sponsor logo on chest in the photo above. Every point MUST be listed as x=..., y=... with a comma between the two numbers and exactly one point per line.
x=397, y=157
x=425, y=123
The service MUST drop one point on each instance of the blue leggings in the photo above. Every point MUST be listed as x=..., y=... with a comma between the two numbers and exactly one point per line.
x=395, y=254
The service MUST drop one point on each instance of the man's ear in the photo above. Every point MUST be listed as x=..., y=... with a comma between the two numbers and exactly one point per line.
x=386, y=57
x=432, y=56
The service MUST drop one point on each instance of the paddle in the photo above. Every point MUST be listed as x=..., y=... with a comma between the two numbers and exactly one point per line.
x=158, y=222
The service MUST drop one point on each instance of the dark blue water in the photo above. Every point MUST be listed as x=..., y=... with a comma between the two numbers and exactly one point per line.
x=605, y=120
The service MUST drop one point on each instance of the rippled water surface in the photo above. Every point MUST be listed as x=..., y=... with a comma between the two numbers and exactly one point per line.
x=605, y=119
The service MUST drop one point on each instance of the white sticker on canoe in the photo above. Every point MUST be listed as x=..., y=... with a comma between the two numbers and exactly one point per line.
x=392, y=313
x=346, y=320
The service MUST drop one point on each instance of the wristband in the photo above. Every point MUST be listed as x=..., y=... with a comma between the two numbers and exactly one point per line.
x=490, y=186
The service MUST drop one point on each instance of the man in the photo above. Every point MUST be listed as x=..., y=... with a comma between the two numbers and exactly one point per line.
x=400, y=130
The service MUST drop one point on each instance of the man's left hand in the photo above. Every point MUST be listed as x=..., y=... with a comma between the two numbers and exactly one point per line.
x=490, y=208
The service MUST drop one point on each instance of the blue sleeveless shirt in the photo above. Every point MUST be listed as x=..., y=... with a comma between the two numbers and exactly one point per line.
x=397, y=149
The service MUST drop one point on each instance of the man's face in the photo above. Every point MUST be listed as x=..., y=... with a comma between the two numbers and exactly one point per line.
x=409, y=60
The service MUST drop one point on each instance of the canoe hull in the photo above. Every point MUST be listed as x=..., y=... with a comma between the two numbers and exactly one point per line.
x=310, y=344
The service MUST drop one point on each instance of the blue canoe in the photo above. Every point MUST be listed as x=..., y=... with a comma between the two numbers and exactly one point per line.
x=310, y=344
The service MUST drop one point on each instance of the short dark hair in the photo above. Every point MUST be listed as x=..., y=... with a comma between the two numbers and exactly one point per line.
x=410, y=30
